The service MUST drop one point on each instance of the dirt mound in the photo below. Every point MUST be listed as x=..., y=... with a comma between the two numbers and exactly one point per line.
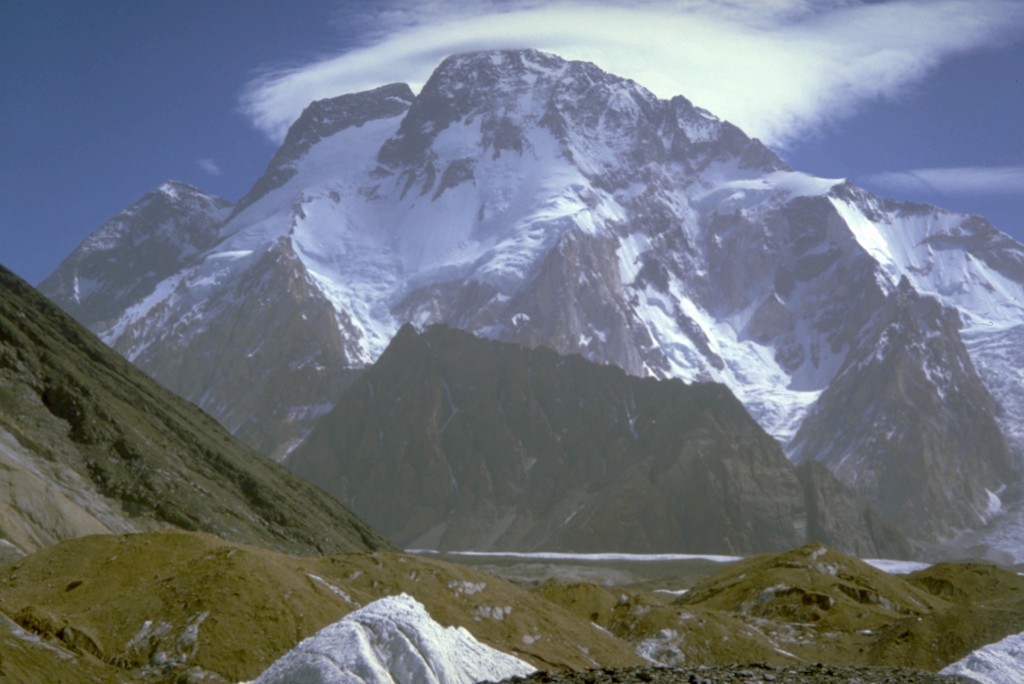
x=168, y=603
x=987, y=604
x=813, y=585
x=662, y=631
x=823, y=606
x=810, y=605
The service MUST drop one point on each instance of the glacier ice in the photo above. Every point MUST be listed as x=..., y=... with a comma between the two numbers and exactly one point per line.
x=392, y=641
x=1001, y=662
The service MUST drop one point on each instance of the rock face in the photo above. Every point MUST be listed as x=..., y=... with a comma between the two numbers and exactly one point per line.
x=916, y=424
x=121, y=263
x=535, y=200
x=89, y=444
x=453, y=442
x=392, y=641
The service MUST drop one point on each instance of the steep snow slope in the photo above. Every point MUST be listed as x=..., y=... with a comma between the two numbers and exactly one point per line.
x=998, y=663
x=392, y=641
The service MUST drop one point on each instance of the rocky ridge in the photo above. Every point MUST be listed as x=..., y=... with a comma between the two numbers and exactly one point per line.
x=453, y=442
x=122, y=262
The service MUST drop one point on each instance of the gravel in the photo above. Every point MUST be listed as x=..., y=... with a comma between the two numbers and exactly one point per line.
x=744, y=674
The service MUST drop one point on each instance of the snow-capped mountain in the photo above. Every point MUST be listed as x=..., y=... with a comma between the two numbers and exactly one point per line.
x=128, y=256
x=541, y=201
x=392, y=641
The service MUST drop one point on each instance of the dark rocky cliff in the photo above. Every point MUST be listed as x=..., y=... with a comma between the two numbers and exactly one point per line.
x=453, y=442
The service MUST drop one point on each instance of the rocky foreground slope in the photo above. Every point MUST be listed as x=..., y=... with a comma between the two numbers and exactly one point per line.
x=751, y=673
x=811, y=605
x=89, y=444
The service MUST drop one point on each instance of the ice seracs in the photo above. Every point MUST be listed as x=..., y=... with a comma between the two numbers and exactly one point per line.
x=392, y=641
x=999, y=663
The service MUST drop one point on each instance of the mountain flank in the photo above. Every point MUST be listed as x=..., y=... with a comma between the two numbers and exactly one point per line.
x=89, y=444
x=913, y=382
x=453, y=442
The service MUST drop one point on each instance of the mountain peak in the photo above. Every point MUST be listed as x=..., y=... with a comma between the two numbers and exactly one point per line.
x=484, y=66
x=176, y=188
x=602, y=123
x=322, y=119
x=163, y=229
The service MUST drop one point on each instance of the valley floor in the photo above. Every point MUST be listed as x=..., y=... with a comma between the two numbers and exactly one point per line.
x=168, y=606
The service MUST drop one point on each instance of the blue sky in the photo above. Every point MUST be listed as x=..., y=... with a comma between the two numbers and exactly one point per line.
x=102, y=101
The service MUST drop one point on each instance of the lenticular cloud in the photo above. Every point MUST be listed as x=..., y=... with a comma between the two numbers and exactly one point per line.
x=779, y=70
x=970, y=180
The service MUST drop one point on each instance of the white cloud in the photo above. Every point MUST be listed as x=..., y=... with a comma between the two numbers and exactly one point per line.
x=966, y=180
x=209, y=166
x=779, y=69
